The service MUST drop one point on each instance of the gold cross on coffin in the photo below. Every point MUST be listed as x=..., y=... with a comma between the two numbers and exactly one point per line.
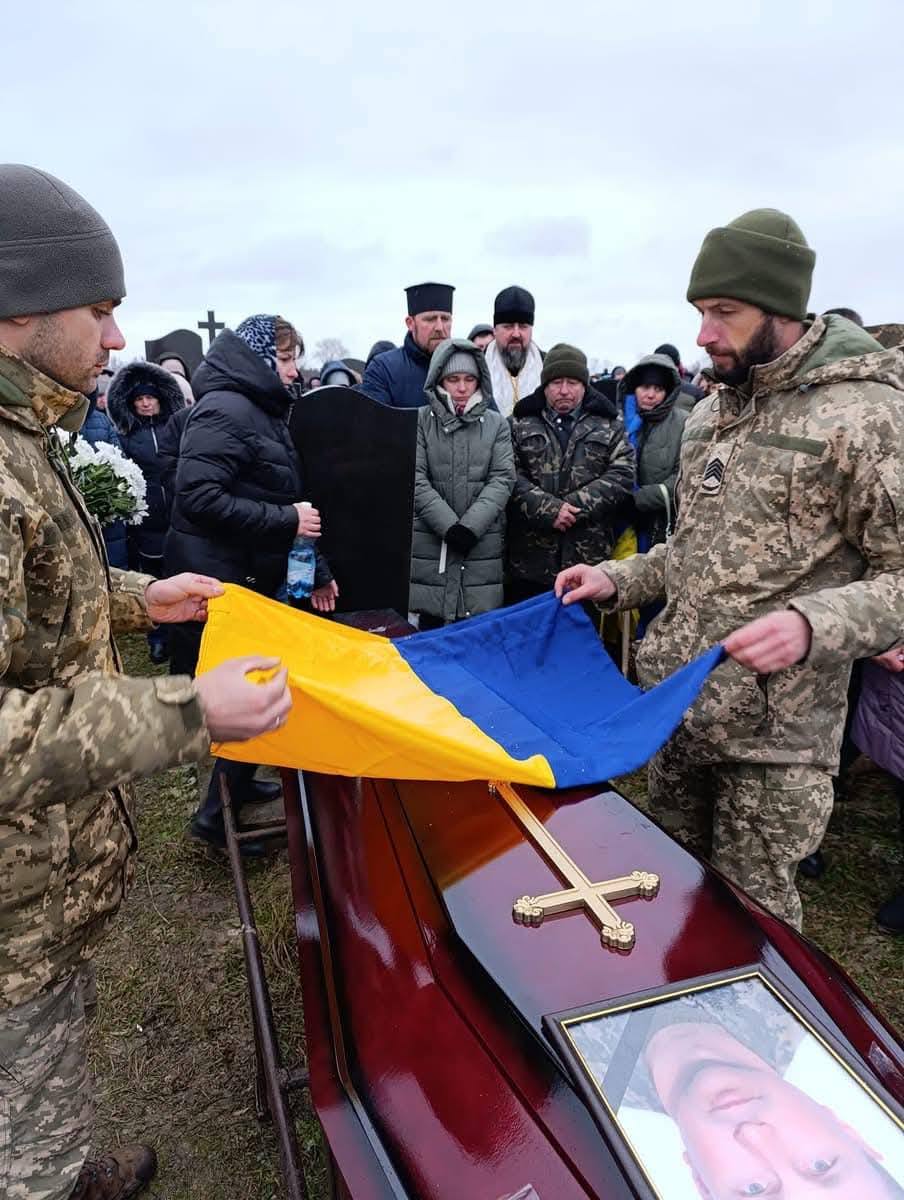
x=592, y=898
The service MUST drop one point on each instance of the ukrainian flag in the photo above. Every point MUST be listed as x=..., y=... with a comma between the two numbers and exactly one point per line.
x=527, y=694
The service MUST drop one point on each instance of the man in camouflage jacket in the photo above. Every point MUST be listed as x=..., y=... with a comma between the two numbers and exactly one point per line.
x=73, y=730
x=575, y=470
x=788, y=546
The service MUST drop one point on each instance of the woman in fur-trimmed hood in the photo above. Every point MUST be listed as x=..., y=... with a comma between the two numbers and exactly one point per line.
x=140, y=401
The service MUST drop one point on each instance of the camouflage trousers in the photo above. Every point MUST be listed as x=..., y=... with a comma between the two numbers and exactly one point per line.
x=753, y=822
x=46, y=1104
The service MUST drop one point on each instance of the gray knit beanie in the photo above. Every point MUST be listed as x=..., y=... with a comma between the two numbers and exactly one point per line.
x=55, y=250
x=462, y=362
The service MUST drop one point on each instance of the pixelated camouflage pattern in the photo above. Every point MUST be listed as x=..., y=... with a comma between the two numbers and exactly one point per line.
x=46, y=1103
x=595, y=473
x=753, y=822
x=809, y=515
x=73, y=730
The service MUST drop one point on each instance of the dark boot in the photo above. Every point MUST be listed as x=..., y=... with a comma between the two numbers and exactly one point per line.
x=213, y=832
x=122, y=1173
x=262, y=791
x=890, y=917
x=813, y=866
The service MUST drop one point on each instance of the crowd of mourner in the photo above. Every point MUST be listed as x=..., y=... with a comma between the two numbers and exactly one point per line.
x=759, y=502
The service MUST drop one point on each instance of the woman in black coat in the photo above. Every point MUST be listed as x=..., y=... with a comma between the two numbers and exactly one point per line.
x=237, y=503
x=142, y=399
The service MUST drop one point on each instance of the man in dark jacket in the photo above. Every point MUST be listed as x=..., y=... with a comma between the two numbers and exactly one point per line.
x=398, y=377
x=575, y=473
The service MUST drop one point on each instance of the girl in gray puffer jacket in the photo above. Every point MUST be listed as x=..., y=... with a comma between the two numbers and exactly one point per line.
x=464, y=476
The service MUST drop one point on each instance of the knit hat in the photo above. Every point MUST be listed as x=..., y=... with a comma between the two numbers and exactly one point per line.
x=462, y=362
x=381, y=347
x=55, y=251
x=671, y=351
x=762, y=258
x=513, y=305
x=652, y=376
x=564, y=362
x=480, y=331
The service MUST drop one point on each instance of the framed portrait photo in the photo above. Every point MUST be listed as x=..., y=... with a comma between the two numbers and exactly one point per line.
x=722, y=1088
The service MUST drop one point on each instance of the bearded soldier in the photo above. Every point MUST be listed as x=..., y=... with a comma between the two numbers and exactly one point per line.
x=789, y=545
x=73, y=730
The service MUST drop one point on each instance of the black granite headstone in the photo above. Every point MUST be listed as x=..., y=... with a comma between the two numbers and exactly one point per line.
x=358, y=462
x=184, y=342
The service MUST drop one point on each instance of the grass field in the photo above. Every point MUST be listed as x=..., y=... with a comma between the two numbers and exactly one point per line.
x=171, y=1044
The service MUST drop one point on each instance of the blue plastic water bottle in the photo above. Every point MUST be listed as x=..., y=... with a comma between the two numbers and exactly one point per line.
x=302, y=561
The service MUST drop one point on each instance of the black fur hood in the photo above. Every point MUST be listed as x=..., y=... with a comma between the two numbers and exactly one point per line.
x=131, y=381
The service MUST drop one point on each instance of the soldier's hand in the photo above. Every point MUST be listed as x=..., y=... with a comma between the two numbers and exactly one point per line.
x=583, y=582
x=770, y=643
x=181, y=597
x=236, y=708
x=891, y=660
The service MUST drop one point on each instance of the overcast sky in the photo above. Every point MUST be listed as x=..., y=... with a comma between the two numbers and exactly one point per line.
x=313, y=158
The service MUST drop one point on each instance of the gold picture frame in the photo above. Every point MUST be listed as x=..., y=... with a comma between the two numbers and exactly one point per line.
x=695, y=1087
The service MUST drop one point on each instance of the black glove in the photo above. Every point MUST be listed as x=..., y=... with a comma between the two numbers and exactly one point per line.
x=460, y=538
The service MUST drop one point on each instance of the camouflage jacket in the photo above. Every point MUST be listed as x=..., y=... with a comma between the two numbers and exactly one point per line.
x=595, y=472
x=73, y=730
x=790, y=494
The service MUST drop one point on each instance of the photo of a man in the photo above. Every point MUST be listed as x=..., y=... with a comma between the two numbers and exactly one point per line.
x=760, y=1106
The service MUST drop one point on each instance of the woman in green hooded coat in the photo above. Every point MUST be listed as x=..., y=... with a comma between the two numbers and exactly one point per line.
x=464, y=476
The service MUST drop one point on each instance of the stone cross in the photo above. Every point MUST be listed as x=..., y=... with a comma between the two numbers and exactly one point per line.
x=211, y=325
x=581, y=894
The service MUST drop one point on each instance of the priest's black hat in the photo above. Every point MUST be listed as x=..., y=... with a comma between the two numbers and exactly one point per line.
x=429, y=297
x=513, y=304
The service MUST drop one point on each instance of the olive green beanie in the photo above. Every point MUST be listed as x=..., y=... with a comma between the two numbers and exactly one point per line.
x=761, y=258
x=564, y=362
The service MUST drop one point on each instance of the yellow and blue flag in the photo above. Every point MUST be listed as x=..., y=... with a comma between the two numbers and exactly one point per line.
x=527, y=694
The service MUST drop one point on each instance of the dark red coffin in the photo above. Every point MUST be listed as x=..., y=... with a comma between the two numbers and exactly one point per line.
x=433, y=1072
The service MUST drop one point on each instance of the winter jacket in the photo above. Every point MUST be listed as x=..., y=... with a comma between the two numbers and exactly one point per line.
x=790, y=495
x=878, y=728
x=464, y=475
x=595, y=472
x=657, y=444
x=168, y=441
x=140, y=438
x=73, y=730
x=238, y=477
x=398, y=377
x=99, y=428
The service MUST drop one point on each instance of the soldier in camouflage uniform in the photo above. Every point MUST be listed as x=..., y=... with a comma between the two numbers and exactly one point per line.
x=73, y=731
x=788, y=546
x=575, y=471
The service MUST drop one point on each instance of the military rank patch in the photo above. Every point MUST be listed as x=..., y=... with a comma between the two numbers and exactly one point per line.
x=716, y=466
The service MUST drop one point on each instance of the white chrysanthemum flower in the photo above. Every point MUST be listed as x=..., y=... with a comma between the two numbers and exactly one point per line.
x=112, y=485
